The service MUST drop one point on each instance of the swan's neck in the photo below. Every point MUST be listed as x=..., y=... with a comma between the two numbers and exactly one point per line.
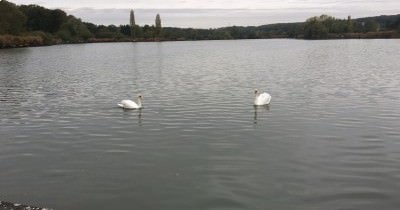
x=256, y=97
x=140, y=102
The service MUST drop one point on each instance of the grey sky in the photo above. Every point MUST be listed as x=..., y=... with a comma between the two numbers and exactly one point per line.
x=216, y=13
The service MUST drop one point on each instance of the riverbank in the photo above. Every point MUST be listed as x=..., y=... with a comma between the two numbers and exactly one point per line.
x=368, y=35
x=11, y=41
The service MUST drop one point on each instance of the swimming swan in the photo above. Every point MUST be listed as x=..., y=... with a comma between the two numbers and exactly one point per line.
x=261, y=98
x=128, y=104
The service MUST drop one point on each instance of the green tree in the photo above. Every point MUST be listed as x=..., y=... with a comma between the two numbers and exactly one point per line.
x=132, y=25
x=219, y=34
x=349, y=25
x=125, y=30
x=42, y=19
x=12, y=20
x=91, y=27
x=314, y=29
x=371, y=26
x=158, y=26
x=74, y=30
x=148, y=32
x=397, y=25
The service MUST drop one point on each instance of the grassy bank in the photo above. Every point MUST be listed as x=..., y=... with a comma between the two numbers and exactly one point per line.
x=12, y=41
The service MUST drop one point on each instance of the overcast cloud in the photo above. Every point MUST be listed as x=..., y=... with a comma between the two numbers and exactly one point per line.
x=216, y=13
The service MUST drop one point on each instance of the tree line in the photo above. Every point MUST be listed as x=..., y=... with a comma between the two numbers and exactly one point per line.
x=324, y=26
x=30, y=25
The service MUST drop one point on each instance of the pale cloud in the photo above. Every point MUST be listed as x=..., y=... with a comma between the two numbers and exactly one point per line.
x=210, y=4
x=216, y=13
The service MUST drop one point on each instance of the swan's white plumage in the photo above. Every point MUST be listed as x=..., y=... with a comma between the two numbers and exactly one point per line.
x=262, y=98
x=128, y=104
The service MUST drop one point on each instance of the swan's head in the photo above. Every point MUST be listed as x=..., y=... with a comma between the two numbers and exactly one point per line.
x=255, y=91
x=140, y=101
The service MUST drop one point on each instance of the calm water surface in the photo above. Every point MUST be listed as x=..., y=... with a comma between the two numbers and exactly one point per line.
x=330, y=139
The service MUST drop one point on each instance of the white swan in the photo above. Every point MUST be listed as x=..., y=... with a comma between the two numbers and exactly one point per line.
x=261, y=98
x=128, y=104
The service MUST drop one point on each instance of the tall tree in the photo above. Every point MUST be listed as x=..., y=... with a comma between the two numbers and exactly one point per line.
x=158, y=26
x=12, y=20
x=371, y=26
x=74, y=30
x=314, y=28
x=42, y=19
x=132, y=25
x=349, y=25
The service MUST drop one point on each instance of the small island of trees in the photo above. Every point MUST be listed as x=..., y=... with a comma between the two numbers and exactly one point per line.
x=33, y=25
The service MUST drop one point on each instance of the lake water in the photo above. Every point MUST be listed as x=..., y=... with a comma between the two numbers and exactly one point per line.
x=330, y=139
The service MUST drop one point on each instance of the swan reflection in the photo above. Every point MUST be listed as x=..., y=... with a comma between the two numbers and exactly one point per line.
x=259, y=109
x=131, y=112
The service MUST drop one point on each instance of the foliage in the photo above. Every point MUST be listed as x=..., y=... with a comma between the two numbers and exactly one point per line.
x=157, y=29
x=47, y=38
x=8, y=41
x=109, y=32
x=132, y=25
x=126, y=30
x=326, y=26
x=42, y=19
x=148, y=32
x=35, y=25
x=12, y=20
x=383, y=22
x=74, y=30
x=320, y=27
x=349, y=25
x=315, y=28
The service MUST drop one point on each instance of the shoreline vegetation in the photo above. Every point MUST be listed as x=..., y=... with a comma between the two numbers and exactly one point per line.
x=33, y=25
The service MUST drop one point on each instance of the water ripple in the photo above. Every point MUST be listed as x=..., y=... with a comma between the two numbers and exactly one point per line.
x=329, y=138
